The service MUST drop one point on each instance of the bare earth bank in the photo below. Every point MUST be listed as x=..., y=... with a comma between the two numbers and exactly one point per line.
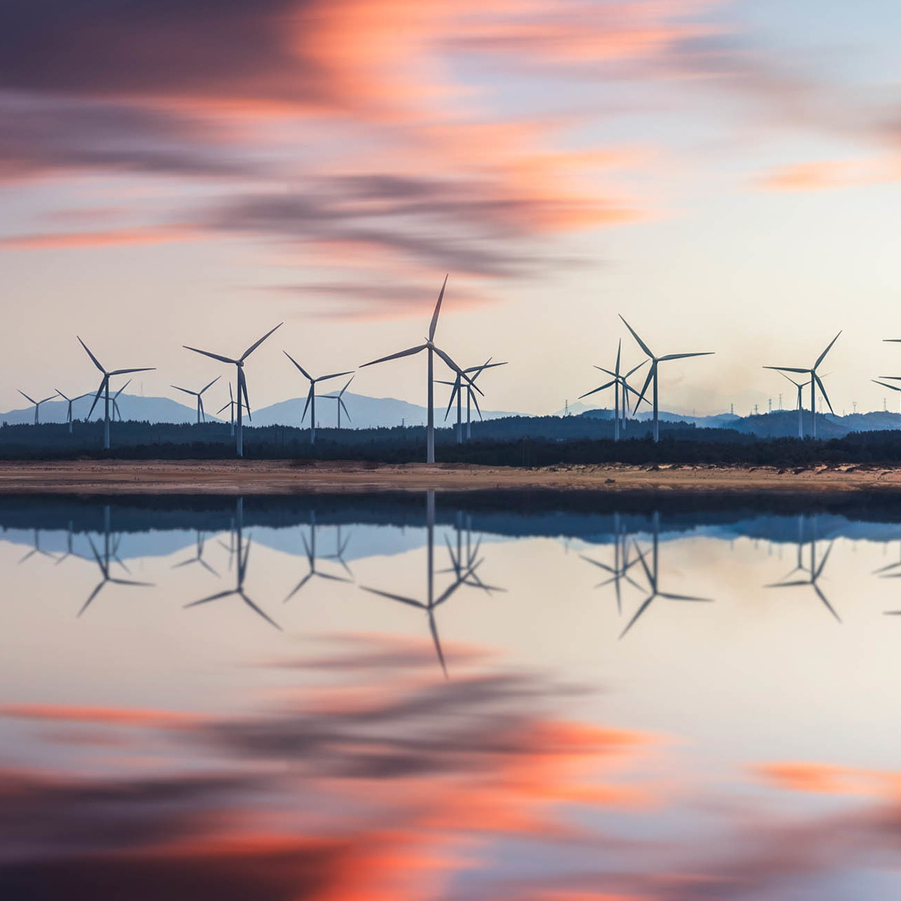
x=287, y=477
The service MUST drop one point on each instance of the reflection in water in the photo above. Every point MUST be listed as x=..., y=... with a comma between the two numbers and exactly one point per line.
x=813, y=572
x=756, y=757
x=104, y=558
x=311, y=555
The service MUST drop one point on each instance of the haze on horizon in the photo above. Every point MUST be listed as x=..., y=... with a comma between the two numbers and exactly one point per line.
x=724, y=174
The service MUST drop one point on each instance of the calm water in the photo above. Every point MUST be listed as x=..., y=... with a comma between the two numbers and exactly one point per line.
x=490, y=698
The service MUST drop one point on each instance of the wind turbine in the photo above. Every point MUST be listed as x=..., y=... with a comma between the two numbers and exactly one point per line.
x=198, y=556
x=70, y=401
x=457, y=394
x=815, y=382
x=813, y=572
x=884, y=385
x=619, y=571
x=619, y=381
x=432, y=349
x=800, y=386
x=242, y=383
x=230, y=406
x=431, y=602
x=104, y=390
x=652, y=575
x=114, y=400
x=201, y=415
x=312, y=556
x=311, y=394
x=339, y=397
x=242, y=553
x=653, y=375
x=37, y=404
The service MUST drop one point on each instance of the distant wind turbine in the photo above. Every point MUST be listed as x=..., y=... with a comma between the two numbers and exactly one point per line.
x=815, y=382
x=201, y=414
x=230, y=406
x=311, y=394
x=432, y=349
x=653, y=375
x=70, y=401
x=800, y=386
x=457, y=394
x=619, y=381
x=242, y=383
x=114, y=400
x=103, y=390
x=37, y=404
x=339, y=397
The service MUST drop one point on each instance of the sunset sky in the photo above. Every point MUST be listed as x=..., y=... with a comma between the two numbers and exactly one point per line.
x=725, y=174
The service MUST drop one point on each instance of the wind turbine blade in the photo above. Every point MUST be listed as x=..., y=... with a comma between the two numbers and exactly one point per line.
x=29, y=399
x=256, y=609
x=344, y=407
x=256, y=344
x=822, y=565
x=434, y=630
x=647, y=382
x=231, y=397
x=822, y=388
x=96, y=361
x=63, y=396
x=788, y=369
x=91, y=597
x=208, y=353
x=684, y=597
x=595, y=391
x=242, y=388
x=298, y=586
x=450, y=403
x=641, y=343
x=103, y=382
x=706, y=353
x=334, y=375
x=176, y=387
x=212, y=597
x=821, y=357
x=403, y=353
x=883, y=384
x=447, y=359
x=638, y=614
x=796, y=384
x=224, y=408
x=619, y=348
x=395, y=597
x=434, y=323
x=306, y=406
x=210, y=385
x=346, y=386
x=829, y=606
x=635, y=369
x=116, y=395
x=126, y=371
x=305, y=373
x=475, y=401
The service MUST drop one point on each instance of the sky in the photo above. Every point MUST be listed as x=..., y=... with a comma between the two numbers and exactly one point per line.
x=723, y=174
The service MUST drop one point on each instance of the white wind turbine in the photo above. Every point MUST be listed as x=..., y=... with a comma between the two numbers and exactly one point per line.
x=37, y=404
x=339, y=397
x=242, y=383
x=815, y=382
x=70, y=401
x=619, y=381
x=457, y=394
x=311, y=394
x=103, y=390
x=201, y=415
x=230, y=406
x=653, y=375
x=432, y=349
x=800, y=386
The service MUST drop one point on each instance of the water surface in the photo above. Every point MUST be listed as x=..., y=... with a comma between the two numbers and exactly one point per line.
x=487, y=697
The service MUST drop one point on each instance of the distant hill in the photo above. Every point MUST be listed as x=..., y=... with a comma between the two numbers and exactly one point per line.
x=132, y=406
x=365, y=412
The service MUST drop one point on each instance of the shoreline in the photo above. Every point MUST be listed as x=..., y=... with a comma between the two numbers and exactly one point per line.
x=274, y=477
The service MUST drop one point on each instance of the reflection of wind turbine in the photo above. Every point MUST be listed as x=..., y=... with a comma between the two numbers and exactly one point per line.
x=432, y=349
x=812, y=573
x=103, y=561
x=198, y=557
x=242, y=552
x=457, y=394
x=311, y=394
x=311, y=555
x=619, y=381
x=652, y=574
x=619, y=571
x=37, y=404
x=339, y=397
x=37, y=549
x=70, y=401
x=242, y=383
x=815, y=382
x=653, y=374
x=432, y=602
x=464, y=560
x=201, y=415
x=103, y=390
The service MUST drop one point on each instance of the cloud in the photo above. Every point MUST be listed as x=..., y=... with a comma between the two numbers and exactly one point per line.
x=118, y=237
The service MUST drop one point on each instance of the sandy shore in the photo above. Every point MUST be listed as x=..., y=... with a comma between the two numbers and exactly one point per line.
x=282, y=477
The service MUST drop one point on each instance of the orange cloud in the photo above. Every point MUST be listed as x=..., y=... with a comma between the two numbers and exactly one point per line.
x=828, y=779
x=104, y=716
x=109, y=238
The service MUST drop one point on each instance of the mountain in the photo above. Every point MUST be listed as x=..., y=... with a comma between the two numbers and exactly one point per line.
x=365, y=412
x=132, y=406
